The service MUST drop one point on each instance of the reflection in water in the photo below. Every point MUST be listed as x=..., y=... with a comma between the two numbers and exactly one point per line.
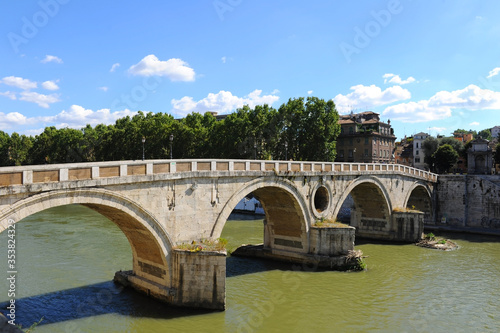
x=67, y=257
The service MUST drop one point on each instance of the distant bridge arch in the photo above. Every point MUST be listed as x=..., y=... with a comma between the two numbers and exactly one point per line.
x=287, y=216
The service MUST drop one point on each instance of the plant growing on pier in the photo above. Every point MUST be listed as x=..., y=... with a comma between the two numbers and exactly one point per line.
x=354, y=260
x=204, y=245
x=329, y=223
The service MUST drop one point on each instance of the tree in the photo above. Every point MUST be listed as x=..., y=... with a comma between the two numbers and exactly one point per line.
x=444, y=157
x=430, y=146
x=485, y=134
x=497, y=154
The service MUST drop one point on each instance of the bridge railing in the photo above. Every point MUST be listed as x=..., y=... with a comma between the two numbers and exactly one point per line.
x=33, y=174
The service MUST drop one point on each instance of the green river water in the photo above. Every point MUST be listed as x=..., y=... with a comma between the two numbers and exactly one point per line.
x=66, y=258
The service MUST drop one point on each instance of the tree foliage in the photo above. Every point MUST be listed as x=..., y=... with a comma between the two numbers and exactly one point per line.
x=497, y=154
x=309, y=127
x=445, y=157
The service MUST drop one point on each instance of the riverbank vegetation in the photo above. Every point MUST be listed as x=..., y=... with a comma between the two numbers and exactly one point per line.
x=434, y=242
x=300, y=129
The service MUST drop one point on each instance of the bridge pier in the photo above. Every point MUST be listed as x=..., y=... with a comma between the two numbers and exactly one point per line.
x=404, y=226
x=198, y=281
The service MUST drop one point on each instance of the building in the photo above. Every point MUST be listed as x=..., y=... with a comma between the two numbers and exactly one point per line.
x=495, y=132
x=463, y=137
x=480, y=157
x=364, y=138
x=418, y=151
x=403, y=153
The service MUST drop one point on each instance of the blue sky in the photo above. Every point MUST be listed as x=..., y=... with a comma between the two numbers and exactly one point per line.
x=431, y=66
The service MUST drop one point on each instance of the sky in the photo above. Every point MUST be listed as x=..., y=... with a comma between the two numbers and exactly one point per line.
x=427, y=66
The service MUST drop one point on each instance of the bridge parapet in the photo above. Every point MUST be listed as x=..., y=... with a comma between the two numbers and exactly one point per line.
x=24, y=175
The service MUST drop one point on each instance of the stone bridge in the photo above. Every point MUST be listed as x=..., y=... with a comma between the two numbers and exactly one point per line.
x=161, y=204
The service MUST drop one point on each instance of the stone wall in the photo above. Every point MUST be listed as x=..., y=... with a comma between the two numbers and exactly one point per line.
x=331, y=241
x=466, y=201
x=200, y=278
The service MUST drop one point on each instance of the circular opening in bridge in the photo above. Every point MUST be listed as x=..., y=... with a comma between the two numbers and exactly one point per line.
x=321, y=199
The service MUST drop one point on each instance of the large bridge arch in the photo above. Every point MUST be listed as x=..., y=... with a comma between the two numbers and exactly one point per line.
x=366, y=186
x=419, y=197
x=287, y=217
x=150, y=244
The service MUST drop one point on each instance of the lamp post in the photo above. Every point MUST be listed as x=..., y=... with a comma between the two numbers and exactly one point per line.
x=286, y=150
x=143, y=141
x=171, y=140
x=255, y=150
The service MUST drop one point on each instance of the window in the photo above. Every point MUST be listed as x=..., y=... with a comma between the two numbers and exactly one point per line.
x=416, y=144
x=366, y=152
x=351, y=130
x=341, y=142
x=351, y=153
x=350, y=142
x=341, y=153
x=366, y=140
x=416, y=153
x=417, y=159
x=375, y=153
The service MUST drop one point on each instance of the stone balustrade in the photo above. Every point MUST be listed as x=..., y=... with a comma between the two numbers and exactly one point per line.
x=23, y=175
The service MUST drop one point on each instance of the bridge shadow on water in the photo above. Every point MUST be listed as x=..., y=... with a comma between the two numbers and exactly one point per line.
x=109, y=298
x=92, y=300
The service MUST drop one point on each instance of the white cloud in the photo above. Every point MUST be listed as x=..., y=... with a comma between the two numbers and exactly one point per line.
x=437, y=129
x=175, y=69
x=493, y=72
x=9, y=94
x=12, y=119
x=42, y=100
x=396, y=79
x=440, y=105
x=114, y=67
x=474, y=123
x=222, y=102
x=103, y=88
x=51, y=58
x=77, y=117
x=413, y=112
x=224, y=59
x=50, y=85
x=369, y=96
x=18, y=82
x=309, y=92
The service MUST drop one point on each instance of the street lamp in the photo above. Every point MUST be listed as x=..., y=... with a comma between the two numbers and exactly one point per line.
x=255, y=150
x=171, y=140
x=286, y=150
x=143, y=141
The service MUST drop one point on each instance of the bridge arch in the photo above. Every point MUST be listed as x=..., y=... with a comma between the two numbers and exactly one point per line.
x=287, y=221
x=369, y=195
x=419, y=197
x=150, y=244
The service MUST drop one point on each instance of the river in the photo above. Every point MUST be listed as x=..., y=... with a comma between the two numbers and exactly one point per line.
x=66, y=258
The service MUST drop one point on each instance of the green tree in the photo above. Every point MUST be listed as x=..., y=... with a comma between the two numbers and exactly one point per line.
x=485, y=134
x=497, y=154
x=18, y=149
x=444, y=157
x=4, y=149
x=430, y=146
